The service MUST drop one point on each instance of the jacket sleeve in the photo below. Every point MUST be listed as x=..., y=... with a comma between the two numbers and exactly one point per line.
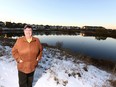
x=15, y=52
x=40, y=51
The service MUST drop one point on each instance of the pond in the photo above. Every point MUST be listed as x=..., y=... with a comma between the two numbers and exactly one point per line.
x=97, y=47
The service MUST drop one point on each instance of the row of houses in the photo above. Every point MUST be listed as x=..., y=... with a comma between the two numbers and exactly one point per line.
x=6, y=25
x=93, y=27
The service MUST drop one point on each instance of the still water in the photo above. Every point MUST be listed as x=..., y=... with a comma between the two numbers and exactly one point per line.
x=97, y=47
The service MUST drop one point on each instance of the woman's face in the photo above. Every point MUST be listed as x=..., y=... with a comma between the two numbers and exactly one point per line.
x=28, y=32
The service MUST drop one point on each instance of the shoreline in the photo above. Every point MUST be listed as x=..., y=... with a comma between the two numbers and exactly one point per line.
x=107, y=65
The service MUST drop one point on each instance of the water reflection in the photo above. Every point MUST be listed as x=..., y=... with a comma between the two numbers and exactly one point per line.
x=98, y=47
x=87, y=45
x=20, y=33
x=100, y=38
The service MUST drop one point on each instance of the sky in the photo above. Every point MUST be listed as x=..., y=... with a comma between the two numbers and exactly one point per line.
x=60, y=12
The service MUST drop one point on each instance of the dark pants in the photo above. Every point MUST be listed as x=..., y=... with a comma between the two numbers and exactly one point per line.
x=25, y=80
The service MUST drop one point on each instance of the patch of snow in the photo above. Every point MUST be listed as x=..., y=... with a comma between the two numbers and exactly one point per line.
x=54, y=70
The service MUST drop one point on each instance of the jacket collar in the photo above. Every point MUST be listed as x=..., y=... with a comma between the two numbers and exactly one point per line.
x=24, y=39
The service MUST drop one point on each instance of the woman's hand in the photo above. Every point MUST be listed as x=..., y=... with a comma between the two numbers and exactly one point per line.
x=37, y=59
x=20, y=61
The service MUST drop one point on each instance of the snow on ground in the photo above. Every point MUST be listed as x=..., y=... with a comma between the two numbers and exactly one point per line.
x=54, y=70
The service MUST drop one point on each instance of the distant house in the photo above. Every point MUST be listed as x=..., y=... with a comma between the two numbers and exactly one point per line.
x=40, y=26
x=36, y=27
x=2, y=24
x=74, y=27
x=53, y=27
x=93, y=27
x=69, y=27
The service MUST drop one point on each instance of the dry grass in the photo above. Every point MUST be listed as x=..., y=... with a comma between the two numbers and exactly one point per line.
x=107, y=65
x=113, y=83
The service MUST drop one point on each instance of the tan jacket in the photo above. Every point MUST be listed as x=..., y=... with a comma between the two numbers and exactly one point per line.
x=29, y=53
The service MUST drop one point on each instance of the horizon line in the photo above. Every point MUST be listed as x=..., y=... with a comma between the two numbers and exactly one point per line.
x=59, y=24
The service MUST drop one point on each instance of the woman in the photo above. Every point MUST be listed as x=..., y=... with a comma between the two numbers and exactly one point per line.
x=27, y=51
